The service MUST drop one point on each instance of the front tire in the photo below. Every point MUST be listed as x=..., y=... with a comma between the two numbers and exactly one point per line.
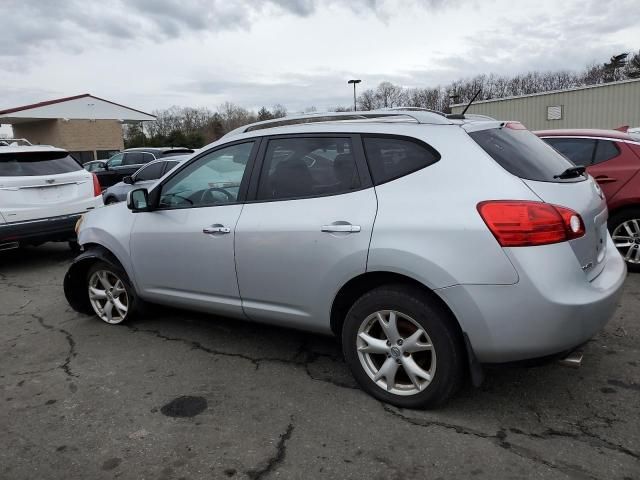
x=110, y=293
x=625, y=232
x=403, y=348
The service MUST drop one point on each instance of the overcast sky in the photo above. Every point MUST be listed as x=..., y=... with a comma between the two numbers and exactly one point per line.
x=151, y=54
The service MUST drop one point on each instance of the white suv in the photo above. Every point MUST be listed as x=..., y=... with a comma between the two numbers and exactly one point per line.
x=43, y=192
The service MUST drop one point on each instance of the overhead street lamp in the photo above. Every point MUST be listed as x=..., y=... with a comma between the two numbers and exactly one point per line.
x=354, y=92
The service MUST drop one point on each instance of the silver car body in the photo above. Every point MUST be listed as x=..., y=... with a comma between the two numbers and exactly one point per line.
x=277, y=265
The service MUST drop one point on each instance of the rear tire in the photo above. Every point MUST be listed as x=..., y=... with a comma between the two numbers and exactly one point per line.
x=403, y=366
x=625, y=231
x=110, y=293
x=110, y=201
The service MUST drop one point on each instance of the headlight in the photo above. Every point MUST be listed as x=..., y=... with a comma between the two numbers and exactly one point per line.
x=78, y=223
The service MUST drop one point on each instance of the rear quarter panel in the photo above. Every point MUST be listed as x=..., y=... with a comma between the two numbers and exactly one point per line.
x=427, y=226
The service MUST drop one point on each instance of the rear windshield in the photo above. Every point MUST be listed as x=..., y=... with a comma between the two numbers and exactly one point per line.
x=29, y=164
x=523, y=154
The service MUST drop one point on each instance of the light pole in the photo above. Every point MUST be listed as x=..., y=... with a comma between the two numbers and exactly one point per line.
x=354, y=92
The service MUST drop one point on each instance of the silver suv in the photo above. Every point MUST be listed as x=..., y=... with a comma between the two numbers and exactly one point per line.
x=429, y=245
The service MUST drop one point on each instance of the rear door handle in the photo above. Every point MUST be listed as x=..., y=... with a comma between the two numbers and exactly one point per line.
x=217, y=228
x=604, y=179
x=340, y=228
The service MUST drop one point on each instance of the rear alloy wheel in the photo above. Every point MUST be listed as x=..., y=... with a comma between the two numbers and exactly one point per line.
x=403, y=348
x=396, y=353
x=625, y=232
x=109, y=294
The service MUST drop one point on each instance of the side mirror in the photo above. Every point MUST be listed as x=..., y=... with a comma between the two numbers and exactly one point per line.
x=138, y=200
x=128, y=180
x=102, y=165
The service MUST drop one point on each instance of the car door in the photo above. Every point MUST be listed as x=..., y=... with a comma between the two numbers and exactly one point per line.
x=113, y=171
x=606, y=160
x=613, y=166
x=182, y=251
x=306, y=230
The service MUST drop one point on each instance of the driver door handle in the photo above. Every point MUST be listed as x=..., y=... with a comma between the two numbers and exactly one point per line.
x=340, y=228
x=217, y=228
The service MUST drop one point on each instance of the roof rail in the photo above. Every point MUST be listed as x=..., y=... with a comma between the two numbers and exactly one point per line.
x=416, y=116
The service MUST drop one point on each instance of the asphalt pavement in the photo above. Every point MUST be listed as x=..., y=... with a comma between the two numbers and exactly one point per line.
x=180, y=395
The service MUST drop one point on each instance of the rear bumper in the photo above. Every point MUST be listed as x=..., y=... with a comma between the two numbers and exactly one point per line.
x=40, y=230
x=552, y=309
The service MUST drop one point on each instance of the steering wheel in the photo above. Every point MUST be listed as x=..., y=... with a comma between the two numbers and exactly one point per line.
x=209, y=191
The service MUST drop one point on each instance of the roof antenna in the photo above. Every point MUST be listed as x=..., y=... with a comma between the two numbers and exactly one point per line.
x=460, y=116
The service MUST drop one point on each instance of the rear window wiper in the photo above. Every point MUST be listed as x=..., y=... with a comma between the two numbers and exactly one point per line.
x=571, y=173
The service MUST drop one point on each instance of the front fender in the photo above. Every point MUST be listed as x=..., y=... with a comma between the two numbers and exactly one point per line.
x=75, y=287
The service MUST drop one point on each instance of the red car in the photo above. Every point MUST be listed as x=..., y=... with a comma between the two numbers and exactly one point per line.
x=613, y=159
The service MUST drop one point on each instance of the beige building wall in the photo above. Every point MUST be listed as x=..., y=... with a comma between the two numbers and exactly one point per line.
x=73, y=135
x=600, y=106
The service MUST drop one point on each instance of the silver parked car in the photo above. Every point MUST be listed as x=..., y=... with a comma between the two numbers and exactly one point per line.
x=431, y=246
x=145, y=176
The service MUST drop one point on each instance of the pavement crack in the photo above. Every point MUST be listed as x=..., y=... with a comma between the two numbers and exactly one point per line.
x=277, y=458
x=499, y=439
x=71, y=353
x=304, y=358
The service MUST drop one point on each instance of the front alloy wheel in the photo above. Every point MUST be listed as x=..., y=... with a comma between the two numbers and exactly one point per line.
x=625, y=233
x=108, y=296
x=626, y=238
x=396, y=352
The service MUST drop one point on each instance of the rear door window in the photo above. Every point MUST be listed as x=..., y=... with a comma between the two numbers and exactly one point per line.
x=605, y=150
x=523, y=154
x=28, y=164
x=150, y=172
x=133, y=158
x=578, y=150
x=392, y=157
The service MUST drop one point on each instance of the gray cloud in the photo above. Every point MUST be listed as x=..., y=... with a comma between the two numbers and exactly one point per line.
x=70, y=25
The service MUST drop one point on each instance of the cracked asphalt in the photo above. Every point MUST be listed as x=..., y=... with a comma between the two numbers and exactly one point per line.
x=178, y=395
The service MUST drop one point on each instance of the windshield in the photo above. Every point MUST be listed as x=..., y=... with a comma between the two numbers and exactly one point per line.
x=523, y=154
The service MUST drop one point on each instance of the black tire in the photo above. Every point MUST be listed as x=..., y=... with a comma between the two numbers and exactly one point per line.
x=120, y=274
x=440, y=329
x=616, y=221
x=110, y=201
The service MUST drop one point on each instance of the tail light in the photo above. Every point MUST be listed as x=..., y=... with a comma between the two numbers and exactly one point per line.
x=97, y=189
x=521, y=223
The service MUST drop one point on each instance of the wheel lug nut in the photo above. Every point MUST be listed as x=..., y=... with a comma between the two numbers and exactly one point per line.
x=388, y=343
x=400, y=342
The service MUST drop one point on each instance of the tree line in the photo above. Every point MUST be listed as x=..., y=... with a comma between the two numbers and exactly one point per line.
x=619, y=67
x=196, y=127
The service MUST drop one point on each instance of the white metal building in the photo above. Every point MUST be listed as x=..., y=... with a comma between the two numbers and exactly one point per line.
x=610, y=105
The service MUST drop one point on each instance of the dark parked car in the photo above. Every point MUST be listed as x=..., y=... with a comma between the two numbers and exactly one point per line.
x=126, y=163
x=613, y=159
x=94, y=165
x=144, y=177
